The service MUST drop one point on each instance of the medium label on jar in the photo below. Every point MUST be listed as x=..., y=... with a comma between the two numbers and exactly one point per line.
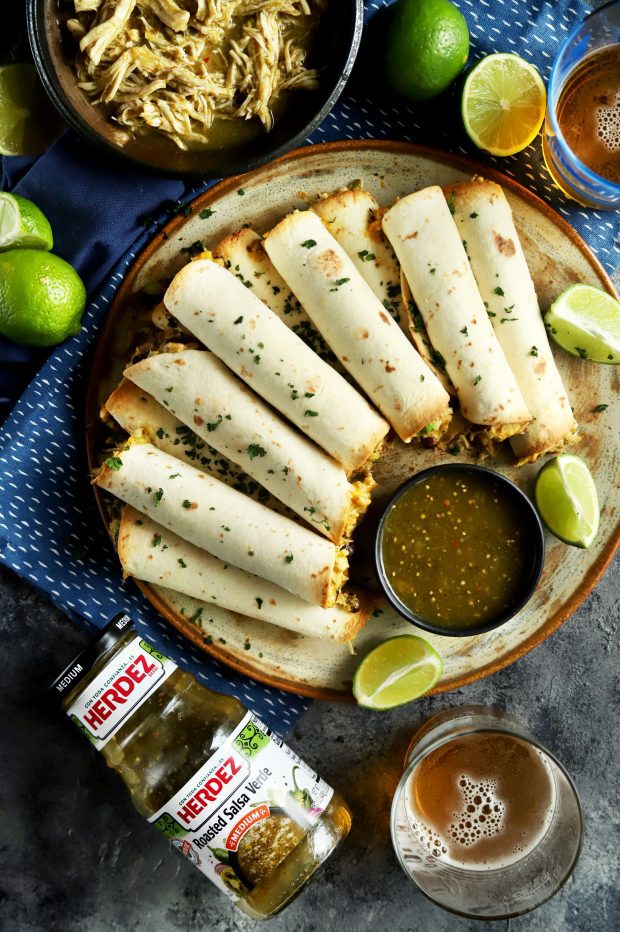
x=245, y=809
x=122, y=686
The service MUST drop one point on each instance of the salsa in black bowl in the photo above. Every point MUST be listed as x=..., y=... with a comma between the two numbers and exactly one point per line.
x=459, y=550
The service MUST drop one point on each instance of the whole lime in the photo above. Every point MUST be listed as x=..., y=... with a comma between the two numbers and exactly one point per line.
x=42, y=297
x=427, y=45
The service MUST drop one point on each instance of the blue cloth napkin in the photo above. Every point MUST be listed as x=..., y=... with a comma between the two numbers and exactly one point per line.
x=50, y=532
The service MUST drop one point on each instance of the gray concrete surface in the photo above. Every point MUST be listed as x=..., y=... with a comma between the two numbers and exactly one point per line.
x=76, y=857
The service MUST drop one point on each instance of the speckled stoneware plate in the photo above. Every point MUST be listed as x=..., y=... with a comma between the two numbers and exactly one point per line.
x=557, y=258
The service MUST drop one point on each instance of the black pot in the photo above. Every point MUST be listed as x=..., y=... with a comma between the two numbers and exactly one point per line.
x=339, y=36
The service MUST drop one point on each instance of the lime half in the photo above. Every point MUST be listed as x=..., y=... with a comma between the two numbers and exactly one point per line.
x=399, y=670
x=22, y=224
x=503, y=103
x=566, y=498
x=28, y=121
x=585, y=321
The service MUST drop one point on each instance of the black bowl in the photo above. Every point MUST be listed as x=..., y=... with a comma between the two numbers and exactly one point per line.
x=535, y=537
x=338, y=42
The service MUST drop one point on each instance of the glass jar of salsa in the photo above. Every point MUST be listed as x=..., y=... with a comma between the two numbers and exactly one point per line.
x=221, y=786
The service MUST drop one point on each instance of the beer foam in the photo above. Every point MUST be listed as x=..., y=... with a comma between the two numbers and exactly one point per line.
x=482, y=814
x=608, y=124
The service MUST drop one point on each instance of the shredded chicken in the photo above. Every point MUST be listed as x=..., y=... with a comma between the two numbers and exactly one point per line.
x=177, y=65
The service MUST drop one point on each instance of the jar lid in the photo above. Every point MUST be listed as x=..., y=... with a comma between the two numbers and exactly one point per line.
x=81, y=666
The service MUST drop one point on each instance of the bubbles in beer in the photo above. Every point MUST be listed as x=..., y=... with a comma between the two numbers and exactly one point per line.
x=608, y=124
x=482, y=813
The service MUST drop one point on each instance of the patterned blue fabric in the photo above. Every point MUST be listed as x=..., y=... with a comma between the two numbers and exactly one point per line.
x=50, y=532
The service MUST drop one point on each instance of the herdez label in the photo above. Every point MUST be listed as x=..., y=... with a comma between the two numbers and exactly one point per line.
x=120, y=689
x=245, y=809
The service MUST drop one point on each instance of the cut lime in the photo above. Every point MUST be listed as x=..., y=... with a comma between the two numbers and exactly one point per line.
x=566, y=498
x=397, y=671
x=585, y=321
x=28, y=121
x=22, y=224
x=503, y=104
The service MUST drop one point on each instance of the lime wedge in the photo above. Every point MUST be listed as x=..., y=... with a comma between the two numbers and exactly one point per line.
x=22, y=224
x=566, y=498
x=503, y=103
x=585, y=321
x=28, y=121
x=397, y=671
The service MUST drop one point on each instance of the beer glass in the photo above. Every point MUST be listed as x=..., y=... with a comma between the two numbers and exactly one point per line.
x=485, y=821
x=581, y=143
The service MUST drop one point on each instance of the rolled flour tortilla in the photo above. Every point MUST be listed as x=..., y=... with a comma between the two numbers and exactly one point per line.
x=356, y=326
x=225, y=523
x=421, y=339
x=244, y=255
x=137, y=412
x=433, y=258
x=245, y=334
x=484, y=220
x=156, y=555
x=353, y=217
x=205, y=395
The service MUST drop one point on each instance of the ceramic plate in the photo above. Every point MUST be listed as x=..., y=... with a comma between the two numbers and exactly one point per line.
x=557, y=258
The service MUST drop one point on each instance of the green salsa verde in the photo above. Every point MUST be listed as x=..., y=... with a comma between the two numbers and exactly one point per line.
x=455, y=549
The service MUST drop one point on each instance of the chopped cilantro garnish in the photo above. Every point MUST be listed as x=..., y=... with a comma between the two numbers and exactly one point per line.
x=311, y=413
x=194, y=249
x=114, y=463
x=309, y=243
x=255, y=449
x=159, y=494
x=206, y=213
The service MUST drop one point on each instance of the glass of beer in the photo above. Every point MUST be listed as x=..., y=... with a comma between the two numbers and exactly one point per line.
x=581, y=138
x=485, y=820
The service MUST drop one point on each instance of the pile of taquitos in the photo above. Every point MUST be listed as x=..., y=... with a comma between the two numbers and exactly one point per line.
x=251, y=450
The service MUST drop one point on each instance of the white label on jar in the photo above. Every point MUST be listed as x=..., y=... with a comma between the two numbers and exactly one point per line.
x=127, y=681
x=244, y=809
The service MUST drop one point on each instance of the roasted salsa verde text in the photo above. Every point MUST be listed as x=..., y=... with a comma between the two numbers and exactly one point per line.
x=455, y=550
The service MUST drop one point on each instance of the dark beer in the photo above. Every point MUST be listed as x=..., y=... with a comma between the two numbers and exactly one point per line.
x=588, y=112
x=481, y=801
